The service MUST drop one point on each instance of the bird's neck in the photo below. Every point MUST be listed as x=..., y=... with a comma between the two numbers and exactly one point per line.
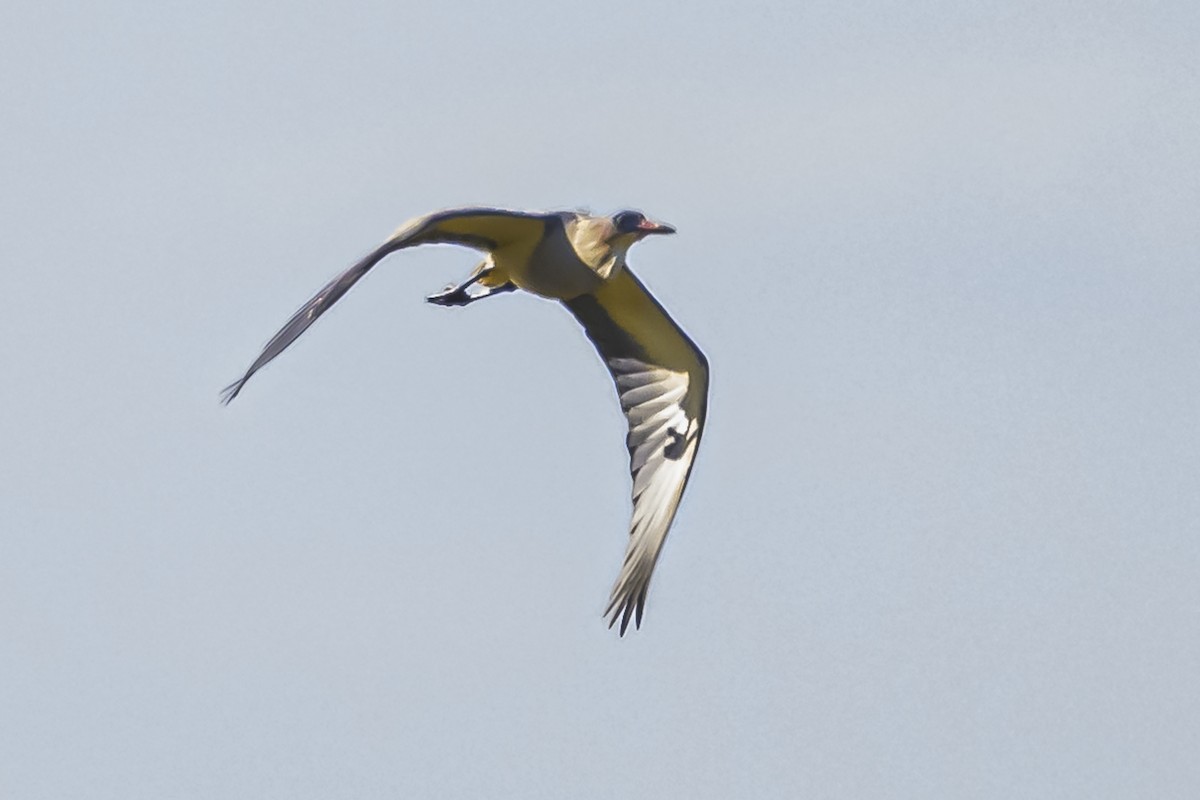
x=596, y=247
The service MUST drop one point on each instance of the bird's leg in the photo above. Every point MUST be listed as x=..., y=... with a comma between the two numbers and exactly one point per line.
x=458, y=296
x=451, y=296
x=504, y=288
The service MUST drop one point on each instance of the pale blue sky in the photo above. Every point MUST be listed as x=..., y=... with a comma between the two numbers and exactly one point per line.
x=942, y=539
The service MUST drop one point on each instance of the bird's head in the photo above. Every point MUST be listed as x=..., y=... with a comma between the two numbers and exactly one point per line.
x=602, y=242
x=633, y=226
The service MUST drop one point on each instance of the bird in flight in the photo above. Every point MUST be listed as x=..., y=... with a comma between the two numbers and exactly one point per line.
x=578, y=259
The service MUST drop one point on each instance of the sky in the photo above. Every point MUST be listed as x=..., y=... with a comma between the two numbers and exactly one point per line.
x=942, y=536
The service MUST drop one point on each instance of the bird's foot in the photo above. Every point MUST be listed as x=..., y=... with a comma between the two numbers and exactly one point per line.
x=450, y=296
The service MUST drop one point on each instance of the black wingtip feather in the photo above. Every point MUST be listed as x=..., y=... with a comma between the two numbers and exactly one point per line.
x=231, y=391
x=626, y=609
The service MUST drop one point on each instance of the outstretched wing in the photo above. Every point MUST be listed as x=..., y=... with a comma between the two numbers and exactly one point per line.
x=662, y=383
x=481, y=228
x=306, y=316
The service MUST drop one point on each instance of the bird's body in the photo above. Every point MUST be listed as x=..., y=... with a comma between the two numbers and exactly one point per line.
x=557, y=255
x=552, y=268
x=660, y=375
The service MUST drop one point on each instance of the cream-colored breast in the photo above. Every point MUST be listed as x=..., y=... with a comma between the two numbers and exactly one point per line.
x=555, y=266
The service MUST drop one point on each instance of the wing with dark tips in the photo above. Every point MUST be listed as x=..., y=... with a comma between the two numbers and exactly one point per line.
x=480, y=228
x=306, y=316
x=662, y=382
